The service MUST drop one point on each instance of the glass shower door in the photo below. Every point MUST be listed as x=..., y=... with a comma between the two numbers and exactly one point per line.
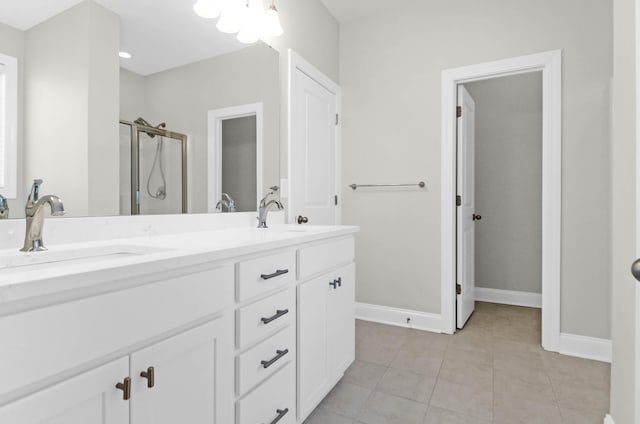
x=153, y=170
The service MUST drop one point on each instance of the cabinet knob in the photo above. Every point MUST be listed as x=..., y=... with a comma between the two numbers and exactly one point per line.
x=336, y=283
x=125, y=386
x=281, y=413
x=303, y=220
x=150, y=375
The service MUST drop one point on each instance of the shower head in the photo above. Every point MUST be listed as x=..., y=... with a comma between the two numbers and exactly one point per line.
x=143, y=122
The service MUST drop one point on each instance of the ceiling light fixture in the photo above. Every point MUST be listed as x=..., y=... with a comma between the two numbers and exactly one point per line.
x=245, y=17
x=125, y=55
x=208, y=9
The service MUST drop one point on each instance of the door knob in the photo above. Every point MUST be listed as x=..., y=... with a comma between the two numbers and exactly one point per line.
x=635, y=269
x=476, y=217
x=303, y=220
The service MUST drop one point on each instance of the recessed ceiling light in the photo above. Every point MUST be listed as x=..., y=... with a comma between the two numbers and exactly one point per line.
x=125, y=55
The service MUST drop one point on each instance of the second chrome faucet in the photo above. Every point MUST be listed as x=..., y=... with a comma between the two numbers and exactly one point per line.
x=34, y=213
x=264, y=206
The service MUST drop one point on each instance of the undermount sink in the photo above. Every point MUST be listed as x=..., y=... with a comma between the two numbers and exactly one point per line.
x=19, y=261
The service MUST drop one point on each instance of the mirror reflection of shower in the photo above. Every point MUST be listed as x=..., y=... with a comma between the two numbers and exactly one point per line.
x=161, y=191
x=155, y=158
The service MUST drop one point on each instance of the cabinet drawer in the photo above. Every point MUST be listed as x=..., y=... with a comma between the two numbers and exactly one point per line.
x=270, y=400
x=260, y=275
x=313, y=260
x=265, y=317
x=80, y=331
x=273, y=353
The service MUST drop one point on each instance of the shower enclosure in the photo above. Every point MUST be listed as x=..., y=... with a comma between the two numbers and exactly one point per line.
x=153, y=169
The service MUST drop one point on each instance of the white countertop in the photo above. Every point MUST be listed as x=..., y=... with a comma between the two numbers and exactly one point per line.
x=140, y=256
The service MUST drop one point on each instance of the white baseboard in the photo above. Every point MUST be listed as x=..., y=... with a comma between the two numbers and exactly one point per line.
x=398, y=317
x=509, y=297
x=585, y=347
x=608, y=419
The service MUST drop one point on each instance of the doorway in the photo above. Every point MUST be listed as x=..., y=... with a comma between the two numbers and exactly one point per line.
x=549, y=64
x=235, y=158
x=499, y=183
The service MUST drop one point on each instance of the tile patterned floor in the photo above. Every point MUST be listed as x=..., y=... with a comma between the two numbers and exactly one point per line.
x=493, y=371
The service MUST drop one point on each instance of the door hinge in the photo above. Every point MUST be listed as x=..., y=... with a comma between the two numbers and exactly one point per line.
x=335, y=200
x=458, y=289
x=337, y=118
x=459, y=111
x=458, y=200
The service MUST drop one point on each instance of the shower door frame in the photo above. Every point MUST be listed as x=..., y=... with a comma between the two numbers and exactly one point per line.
x=136, y=129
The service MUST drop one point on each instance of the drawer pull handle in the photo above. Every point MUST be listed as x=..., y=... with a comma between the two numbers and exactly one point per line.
x=150, y=375
x=275, y=274
x=281, y=413
x=280, y=354
x=279, y=313
x=125, y=386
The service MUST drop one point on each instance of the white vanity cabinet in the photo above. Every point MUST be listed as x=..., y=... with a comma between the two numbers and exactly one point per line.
x=89, y=398
x=266, y=339
x=182, y=379
x=255, y=334
x=178, y=331
x=326, y=320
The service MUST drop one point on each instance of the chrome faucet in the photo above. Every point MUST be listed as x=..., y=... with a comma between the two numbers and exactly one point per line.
x=263, y=208
x=34, y=212
x=227, y=202
x=4, y=207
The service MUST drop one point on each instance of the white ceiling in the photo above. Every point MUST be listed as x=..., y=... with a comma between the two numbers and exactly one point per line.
x=159, y=34
x=347, y=10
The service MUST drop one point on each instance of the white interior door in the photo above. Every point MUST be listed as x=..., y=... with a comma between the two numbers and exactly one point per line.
x=313, y=169
x=465, y=212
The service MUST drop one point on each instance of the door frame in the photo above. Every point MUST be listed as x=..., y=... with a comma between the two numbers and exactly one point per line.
x=214, y=149
x=298, y=63
x=550, y=63
x=637, y=211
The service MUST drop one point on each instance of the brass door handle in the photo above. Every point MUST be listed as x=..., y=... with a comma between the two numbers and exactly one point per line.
x=476, y=217
x=150, y=375
x=125, y=386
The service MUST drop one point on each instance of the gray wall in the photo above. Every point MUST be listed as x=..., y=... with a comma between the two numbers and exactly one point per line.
x=390, y=70
x=12, y=44
x=623, y=195
x=71, y=105
x=508, y=182
x=239, y=162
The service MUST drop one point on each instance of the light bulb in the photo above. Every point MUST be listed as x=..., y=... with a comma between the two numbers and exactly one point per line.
x=247, y=35
x=253, y=21
x=271, y=24
x=233, y=16
x=208, y=9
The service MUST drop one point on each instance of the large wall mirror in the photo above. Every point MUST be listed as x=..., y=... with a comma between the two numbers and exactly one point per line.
x=145, y=134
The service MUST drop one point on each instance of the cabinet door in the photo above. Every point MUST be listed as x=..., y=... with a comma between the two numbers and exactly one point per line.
x=341, y=323
x=313, y=299
x=192, y=377
x=89, y=398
